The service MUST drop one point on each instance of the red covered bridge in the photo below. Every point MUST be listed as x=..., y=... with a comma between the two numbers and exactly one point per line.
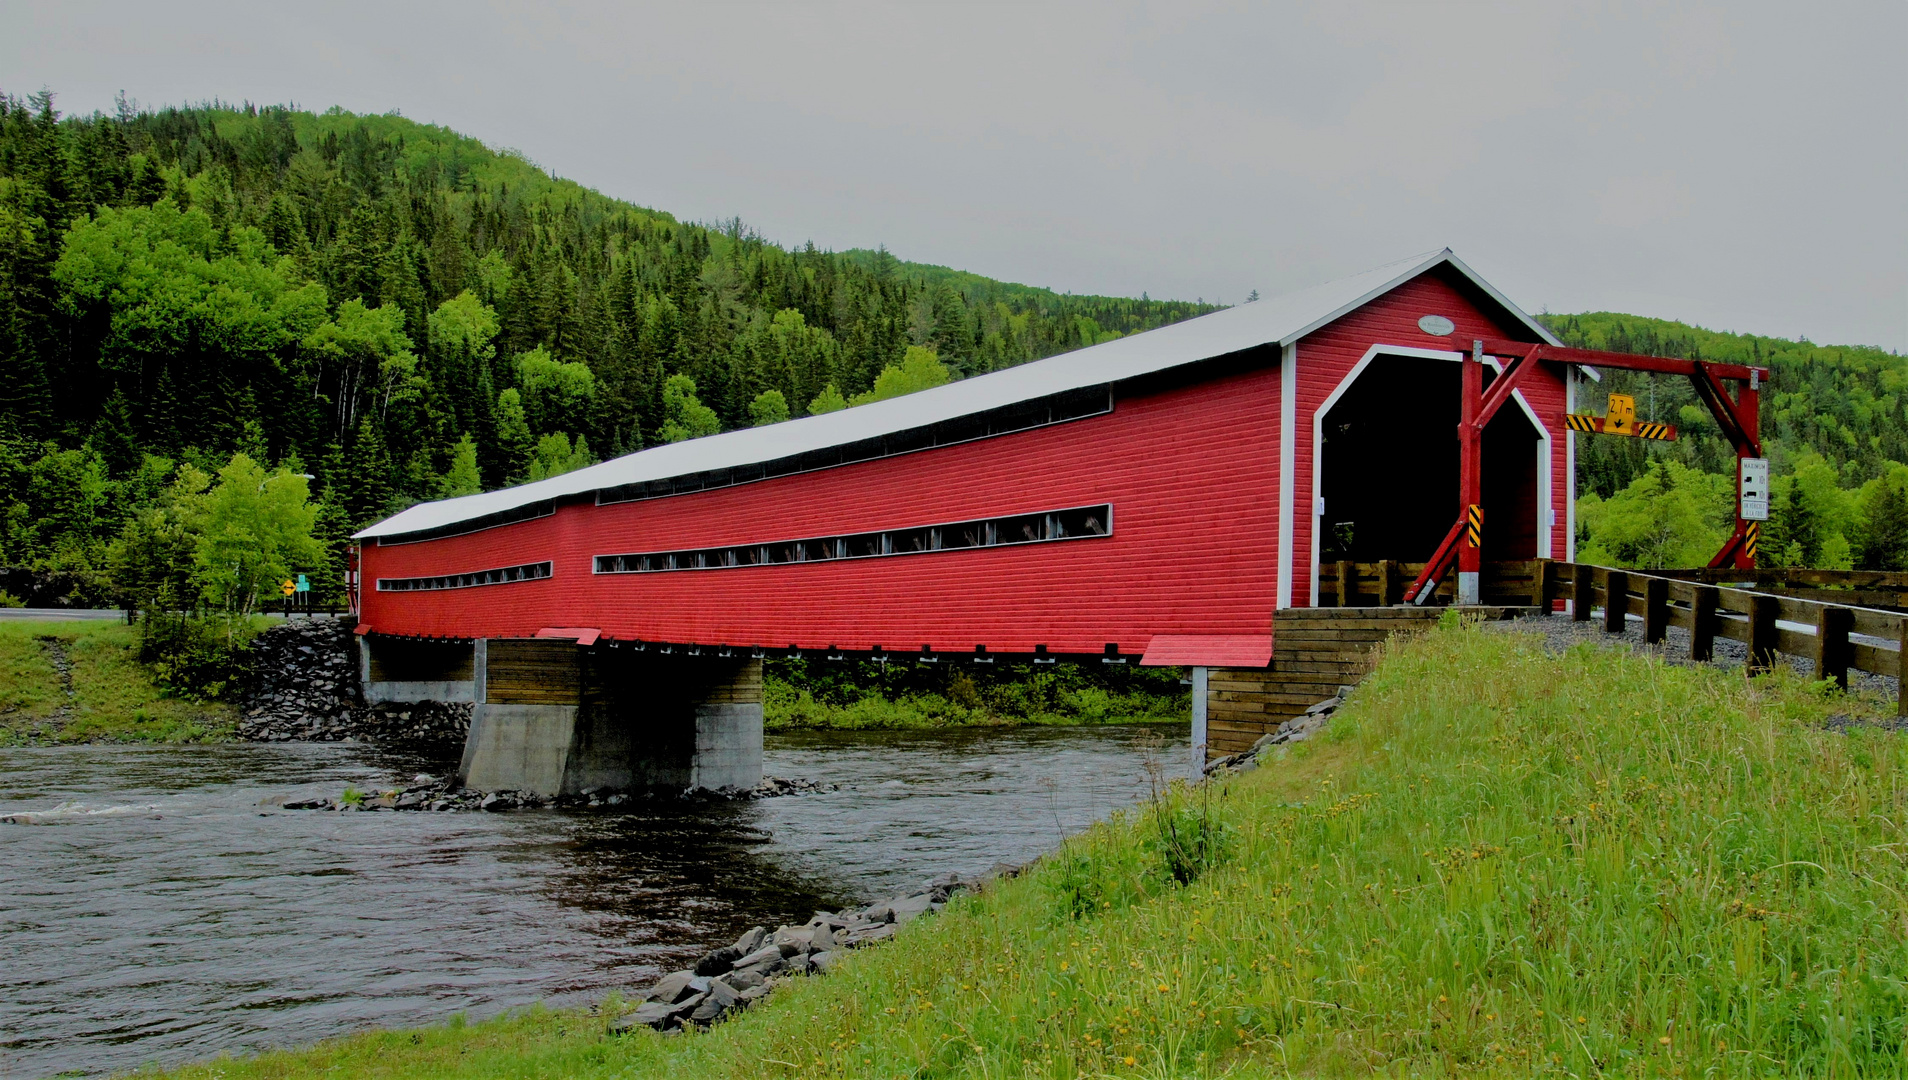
x=1155, y=497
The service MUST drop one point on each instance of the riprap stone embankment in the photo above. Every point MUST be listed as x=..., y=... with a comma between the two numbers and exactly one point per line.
x=303, y=689
x=735, y=976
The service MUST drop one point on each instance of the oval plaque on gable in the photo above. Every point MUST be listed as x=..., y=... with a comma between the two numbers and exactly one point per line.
x=1437, y=325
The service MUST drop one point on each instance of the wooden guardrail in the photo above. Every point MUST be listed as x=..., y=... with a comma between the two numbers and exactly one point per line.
x=1382, y=584
x=1855, y=588
x=1835, y=635
x=1889, y=580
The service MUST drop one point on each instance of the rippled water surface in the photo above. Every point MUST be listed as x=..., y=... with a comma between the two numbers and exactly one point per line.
x=157, y=913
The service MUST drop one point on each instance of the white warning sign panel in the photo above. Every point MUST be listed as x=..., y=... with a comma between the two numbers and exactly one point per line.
x=1755, y=489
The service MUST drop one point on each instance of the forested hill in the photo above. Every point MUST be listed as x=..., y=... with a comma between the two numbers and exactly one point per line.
x=1834, y=426
x=404, y=313
x=1848, y=404
x=408, y=313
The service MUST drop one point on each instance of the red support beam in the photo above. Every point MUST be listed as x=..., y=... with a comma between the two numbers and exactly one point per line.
x=1661, y=365
x=1426, y=585
x=1503, y=386
x=1738, y=416
x=1470, y=472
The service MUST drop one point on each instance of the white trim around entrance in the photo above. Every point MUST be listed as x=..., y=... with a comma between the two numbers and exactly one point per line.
x=1288, y=469
x=1544, y=507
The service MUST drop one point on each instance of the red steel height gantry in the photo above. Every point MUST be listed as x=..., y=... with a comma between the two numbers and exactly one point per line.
x=1737, y=415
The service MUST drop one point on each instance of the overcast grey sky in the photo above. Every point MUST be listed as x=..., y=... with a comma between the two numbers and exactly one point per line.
x=1741, y=166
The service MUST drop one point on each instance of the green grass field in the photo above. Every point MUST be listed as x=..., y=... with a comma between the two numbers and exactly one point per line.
x=864, y=695
x=1496, y=862
x=788, y=708
x=106, y=695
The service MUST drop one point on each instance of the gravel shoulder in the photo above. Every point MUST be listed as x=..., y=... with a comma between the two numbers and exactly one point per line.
x=1872, y=693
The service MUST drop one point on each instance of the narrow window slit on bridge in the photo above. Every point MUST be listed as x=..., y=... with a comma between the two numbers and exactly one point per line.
x=502, y=575
x=1074, y=523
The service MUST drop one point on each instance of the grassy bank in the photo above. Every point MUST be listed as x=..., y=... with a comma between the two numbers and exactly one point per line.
x=83, y=682
x=1495, y=862
x=862, y=694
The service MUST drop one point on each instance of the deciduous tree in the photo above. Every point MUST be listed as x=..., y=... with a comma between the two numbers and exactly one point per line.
x=919, y=370
x=684, y=414
x=769, y=407
x=256, y=532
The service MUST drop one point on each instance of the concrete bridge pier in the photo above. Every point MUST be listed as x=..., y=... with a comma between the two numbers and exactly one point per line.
x=557, y=718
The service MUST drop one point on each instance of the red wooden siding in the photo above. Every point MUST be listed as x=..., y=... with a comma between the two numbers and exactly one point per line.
x=1192, y=475
x=1328, y=354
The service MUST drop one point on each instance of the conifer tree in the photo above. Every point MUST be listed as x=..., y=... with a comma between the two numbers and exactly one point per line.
x=462, y=478
x=461, y=331
x=952, y=334
x=114, y=437
x=147, y=186
x=164, y=413
x=514, y=439
x=368, y=491
x=1884, y=522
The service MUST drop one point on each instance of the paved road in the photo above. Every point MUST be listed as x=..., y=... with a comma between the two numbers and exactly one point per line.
x=48, y=614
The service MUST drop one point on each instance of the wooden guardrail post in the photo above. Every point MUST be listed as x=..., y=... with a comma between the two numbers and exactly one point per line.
x=1763, y=610
x=1832, y=652
x=1347, y=577
x=1387, y=583
x=1655, y=609
x=1582, y=583
x=1702, y=623
x=1616, y=601
x=1843, y=622
x=1543, y=587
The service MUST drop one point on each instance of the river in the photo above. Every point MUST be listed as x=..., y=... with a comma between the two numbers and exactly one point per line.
x=155, y=912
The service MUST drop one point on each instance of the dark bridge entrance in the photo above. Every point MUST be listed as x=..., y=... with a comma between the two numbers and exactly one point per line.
x=1388, y=468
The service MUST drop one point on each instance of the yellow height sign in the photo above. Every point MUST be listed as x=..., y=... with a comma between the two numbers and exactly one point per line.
x=1621, y=420
x=1621, y=417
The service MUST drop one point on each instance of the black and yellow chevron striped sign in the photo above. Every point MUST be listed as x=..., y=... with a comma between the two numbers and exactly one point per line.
x=1474, y=525
x=1751, y=532
x=1597, y=425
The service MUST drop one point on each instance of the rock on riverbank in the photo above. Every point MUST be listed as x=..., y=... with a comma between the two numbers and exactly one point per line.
x=736, y=976
x=304, y=689
x=1297, y=729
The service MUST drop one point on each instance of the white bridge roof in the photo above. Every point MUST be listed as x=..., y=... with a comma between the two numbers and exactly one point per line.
x=1278, y=320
